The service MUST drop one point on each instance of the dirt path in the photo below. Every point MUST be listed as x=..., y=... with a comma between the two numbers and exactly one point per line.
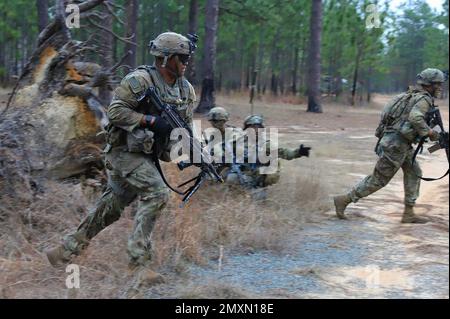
x=371, y=255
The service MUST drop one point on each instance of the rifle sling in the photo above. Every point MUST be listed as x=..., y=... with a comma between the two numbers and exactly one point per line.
x=418, y=149
x=158, y=167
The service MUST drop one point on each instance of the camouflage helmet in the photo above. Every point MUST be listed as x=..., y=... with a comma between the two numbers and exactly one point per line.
x=218, y=114
x=254, y=120
x=169, y=43
x=430, y=76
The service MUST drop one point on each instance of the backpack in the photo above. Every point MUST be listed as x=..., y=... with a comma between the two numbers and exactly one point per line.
x=395, y=113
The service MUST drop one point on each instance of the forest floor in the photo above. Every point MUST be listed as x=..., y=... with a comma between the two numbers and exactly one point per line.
x=289, y=246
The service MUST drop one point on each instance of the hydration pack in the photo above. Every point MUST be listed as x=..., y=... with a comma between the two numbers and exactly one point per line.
x=395, y=113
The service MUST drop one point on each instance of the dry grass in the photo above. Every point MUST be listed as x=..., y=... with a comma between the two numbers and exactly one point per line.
x=223, y=215
x=217, y=216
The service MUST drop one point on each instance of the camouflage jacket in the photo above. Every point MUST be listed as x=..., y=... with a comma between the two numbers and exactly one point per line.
x=272, y=178
x=125, y=114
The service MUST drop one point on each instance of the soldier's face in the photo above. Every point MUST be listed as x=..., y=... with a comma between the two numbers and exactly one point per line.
x=437, y=89
x=220, y=125
x=176, y=66
x=181, y=63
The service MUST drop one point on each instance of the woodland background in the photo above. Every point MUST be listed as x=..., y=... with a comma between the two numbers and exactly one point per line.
x=271, y=37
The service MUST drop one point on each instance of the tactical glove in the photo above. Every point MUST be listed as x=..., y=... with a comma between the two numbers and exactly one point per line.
x=158, y=125
x=434, y=136
x=303, y=151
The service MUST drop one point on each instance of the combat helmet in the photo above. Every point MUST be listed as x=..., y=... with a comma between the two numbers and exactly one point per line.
x=430, y=76
x=169, y=43
x=254, y=120
x=218, y=114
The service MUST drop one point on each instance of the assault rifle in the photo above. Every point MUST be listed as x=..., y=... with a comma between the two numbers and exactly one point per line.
x=176, y=121
x=434, y=119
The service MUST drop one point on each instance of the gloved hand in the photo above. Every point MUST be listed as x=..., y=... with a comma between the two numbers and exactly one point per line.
x=158, y=125
x=303, y=151
x=434, y=136
x=443, y=138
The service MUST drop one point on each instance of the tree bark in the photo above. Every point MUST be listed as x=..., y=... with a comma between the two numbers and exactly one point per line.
x=369, y=85
x=42, y=13
x=314, y=58
x=355, y=75
x=295, y=71
x=303, y=68
x=207, y=100
x=131, y=22
x=106, y=58
x=192, y=29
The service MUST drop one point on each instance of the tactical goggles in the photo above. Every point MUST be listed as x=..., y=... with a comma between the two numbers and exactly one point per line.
x=184, y=58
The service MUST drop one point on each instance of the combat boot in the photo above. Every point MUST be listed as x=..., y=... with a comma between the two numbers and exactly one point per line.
x=410, y=218
x=58, y=255
x=340, y=203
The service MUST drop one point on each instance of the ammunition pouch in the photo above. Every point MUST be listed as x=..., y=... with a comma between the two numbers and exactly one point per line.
x=140, y=141
x=115, y=136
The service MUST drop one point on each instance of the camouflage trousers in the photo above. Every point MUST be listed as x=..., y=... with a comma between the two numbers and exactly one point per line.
x=394, y=153
x=143, y=183
x=253, y=177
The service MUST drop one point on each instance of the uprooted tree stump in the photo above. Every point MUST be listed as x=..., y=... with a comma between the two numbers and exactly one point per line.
x=51, y=125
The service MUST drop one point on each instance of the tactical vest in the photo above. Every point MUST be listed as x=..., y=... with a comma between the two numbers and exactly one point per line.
x=156, y=80
x=138, y=82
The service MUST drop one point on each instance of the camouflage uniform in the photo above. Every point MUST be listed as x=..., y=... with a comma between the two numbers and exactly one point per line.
x=218, y=118
x=254, y=177
x=252, y=174
x=395, y=151
x=132, y=174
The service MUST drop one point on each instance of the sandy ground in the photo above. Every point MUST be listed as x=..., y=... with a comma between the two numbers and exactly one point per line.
x=371, y=255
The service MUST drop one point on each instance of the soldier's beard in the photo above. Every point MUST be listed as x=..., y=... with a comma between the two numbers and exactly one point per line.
x=437, y=92
x=182, y=71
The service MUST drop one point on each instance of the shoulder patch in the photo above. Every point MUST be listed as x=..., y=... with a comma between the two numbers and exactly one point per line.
x=135, y=85
x=137, y=81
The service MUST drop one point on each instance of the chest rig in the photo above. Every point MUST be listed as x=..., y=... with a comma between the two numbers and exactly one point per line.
x=177, y=96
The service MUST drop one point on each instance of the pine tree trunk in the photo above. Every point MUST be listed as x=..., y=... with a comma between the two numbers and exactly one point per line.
x=355, y=76
x=314, y=58
x=369, y=85
x=207, y=99
x=260, y=60
x=106, y=58
x=303, y=73
x=295, y=71
x=192, y=29
x=42, y=13
x=131, y=23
